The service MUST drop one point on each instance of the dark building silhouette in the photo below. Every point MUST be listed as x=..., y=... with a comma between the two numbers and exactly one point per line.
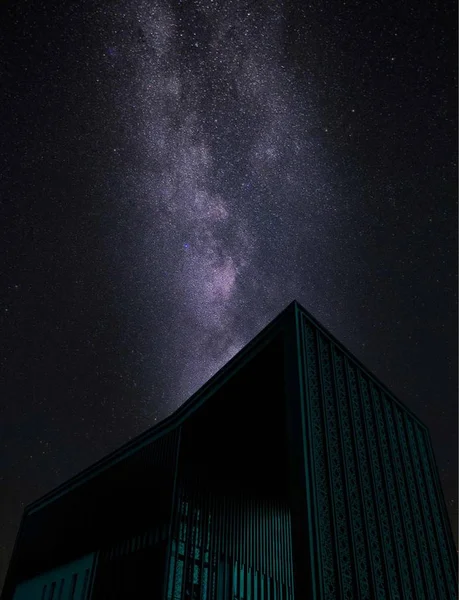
x=293, y=473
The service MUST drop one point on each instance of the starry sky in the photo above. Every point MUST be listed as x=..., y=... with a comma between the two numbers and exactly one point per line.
x=173, y=173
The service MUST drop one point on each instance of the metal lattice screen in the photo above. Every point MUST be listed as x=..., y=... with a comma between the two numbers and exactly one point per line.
x=380, y=517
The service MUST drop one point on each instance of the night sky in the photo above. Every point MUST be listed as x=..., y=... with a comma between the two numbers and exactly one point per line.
x=174, y=173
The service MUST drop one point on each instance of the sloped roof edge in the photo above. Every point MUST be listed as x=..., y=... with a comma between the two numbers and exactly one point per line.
x=173, y=420
x=210, y=387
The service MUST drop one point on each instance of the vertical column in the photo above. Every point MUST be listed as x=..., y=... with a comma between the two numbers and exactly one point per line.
x=372, y=530
x=427, y=516
x=361, y=553
x=415, y=503
x=392, y=490
x=335, y=469
x=305, y=574
x=380, y=491
x=400, y=474
x=174, y=524
x=436, y=500
x=327, y=548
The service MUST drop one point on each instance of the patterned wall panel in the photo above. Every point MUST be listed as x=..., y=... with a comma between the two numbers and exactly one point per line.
x=382, y=524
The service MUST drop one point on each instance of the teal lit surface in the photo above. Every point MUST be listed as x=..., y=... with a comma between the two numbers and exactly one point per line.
x=70, y=581
x=293, y=473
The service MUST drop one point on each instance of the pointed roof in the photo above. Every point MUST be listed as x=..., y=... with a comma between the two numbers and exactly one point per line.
x=290, y=316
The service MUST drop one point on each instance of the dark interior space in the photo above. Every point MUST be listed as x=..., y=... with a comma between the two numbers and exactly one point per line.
x=237, y=438
x=232, y=485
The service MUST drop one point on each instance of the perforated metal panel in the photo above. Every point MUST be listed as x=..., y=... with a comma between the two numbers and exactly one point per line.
x=381, y=528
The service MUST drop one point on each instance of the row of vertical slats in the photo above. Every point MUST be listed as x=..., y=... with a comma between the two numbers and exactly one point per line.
x=436, y=503
x=404, y=491
x=406, y=500
x=426, y=511
x=225, y=532
x=138, y=542
x=159, y=453
x=50, y=594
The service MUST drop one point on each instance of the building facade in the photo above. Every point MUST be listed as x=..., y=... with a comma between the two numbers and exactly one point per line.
x=293, y=473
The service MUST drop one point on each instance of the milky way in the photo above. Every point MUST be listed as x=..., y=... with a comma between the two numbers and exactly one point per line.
x=174, y=173
x=227, y=162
